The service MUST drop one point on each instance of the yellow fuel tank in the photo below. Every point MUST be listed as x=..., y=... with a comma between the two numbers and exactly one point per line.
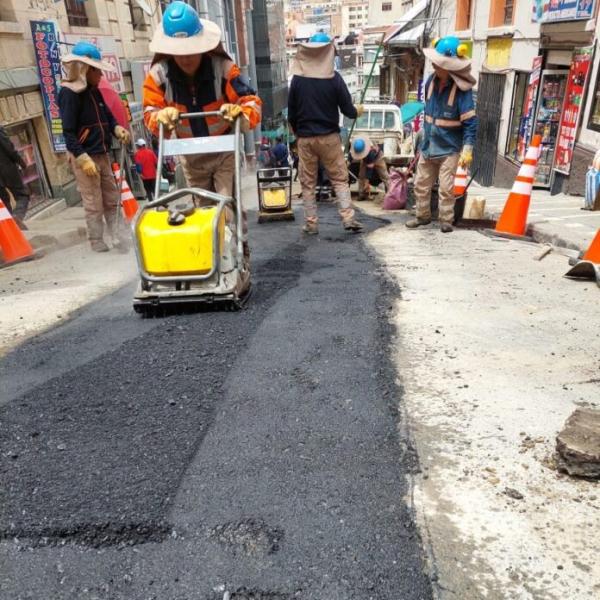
x=185, y=249
x=274, y=198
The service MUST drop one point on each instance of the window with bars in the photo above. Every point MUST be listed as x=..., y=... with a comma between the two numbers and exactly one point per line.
x=501, y=13
x=137, y=16
x=76, y=13
x=386, y=6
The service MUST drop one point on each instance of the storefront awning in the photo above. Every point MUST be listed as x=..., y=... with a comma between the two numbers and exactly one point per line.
x=409, y=38
x=417, y=11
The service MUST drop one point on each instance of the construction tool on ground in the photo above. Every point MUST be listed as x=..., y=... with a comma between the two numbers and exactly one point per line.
x=189, y=242
x=274, y=186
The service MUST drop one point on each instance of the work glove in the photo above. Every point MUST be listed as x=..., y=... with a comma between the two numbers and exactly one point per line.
x=87, y=165
x=466, y=157
x=122, y=135
x=169, y=117
x=360, y=109
x=231, y=112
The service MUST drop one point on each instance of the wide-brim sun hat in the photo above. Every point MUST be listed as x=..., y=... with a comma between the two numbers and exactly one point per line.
x=448, y=53
x=182, y=32
x=88, y=54
x=364, y=152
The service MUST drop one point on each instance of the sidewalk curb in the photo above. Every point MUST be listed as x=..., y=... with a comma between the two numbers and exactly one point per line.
x=539, y=235
x=47, y=243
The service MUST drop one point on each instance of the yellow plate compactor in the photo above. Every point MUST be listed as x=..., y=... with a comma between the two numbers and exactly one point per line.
x=274, y=194
x=189, y=242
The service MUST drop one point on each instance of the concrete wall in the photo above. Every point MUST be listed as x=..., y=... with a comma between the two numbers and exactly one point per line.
x=379, y=17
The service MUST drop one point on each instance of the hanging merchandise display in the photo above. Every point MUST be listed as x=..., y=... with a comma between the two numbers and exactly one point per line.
x=571, y=110
x=552, y=92
x=526, y=124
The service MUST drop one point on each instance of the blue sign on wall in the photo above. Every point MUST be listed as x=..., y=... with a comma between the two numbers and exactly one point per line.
x=47, y=56
x=550, y=11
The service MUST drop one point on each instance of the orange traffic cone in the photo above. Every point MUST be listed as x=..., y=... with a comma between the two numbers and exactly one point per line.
x=589, y=266
x=460, y=182
x=128, y=202
x=13, y=243
x=514, y=216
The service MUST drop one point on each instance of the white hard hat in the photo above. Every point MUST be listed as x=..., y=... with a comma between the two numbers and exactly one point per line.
x=140, y=142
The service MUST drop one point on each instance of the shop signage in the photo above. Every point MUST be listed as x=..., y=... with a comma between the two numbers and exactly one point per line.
x=47, y=56
x=526, y=125
x=550, y=11
x=574, y=97
x=108, y=47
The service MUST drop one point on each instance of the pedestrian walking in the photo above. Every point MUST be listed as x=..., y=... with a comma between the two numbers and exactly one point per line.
x=191, y=72
x=317, y=94
x=449, y=132
x=11, y=179
x=88, y=125
x=146, y=163
x=371, y=161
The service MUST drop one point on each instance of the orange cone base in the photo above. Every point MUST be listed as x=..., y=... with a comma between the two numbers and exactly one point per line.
x=514, y=217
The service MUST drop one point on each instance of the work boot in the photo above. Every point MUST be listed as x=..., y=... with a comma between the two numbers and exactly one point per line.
x=310, y=228
x=418, y=222
x=446, y=228
x=117, y=236
x=99, y=246
x=353, y=225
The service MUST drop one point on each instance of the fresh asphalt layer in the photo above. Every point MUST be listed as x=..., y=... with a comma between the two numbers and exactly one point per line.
x=245, y=455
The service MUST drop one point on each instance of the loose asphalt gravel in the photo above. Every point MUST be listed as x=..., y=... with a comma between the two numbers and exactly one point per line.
x=251, y=455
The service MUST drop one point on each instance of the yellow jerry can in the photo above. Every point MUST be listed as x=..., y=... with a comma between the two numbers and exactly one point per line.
x=185, y=249
x=275, y=198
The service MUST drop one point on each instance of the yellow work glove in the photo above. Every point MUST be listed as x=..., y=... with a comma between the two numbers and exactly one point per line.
x=231, y=112
x=466, y=157
x=122, y=135
x=87, y=165
x=168, y=117
x=360, y=109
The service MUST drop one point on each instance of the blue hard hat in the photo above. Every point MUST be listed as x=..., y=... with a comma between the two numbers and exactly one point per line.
x=320, y=38
x=180, y=20
x=88, y=49
x=358, y=145
x=451, y=46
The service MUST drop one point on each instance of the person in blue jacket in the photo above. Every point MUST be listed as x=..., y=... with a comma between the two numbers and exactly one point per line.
x=88, y=127
x=449, y=130
x=280, y=153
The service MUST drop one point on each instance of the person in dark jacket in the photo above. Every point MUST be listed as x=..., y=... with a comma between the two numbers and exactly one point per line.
x=88, y=126
x=11, y=180
x=280, y=153
x=317, y=94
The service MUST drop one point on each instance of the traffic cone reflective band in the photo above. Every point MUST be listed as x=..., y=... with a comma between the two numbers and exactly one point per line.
x=514, y=216
x=13, y=243
x=128, y=202
x=460, y=182
x=593, y=252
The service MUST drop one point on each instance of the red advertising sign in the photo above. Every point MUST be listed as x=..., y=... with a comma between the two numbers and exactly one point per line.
x=574, y=96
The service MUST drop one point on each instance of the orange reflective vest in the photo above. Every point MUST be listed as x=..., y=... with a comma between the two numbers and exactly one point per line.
x=219, y=82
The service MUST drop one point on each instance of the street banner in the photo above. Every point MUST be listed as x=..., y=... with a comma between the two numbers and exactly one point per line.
x=574, y=96
x=526, y=124
x=47, y=56
x=551, y=11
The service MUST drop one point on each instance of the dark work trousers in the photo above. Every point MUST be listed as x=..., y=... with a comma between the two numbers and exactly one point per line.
x=149, y=185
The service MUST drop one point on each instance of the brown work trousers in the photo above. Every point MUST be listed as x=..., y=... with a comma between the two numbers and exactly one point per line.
x=428, y=170
x=99, y=196
x=326, y=149
x=363, y=183
x=215, y=173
